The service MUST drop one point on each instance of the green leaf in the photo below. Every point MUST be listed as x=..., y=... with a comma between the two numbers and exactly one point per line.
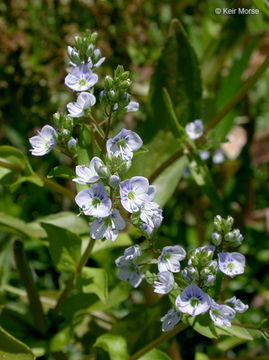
x=64, y=247
x=201, y=356
x=262, y=5
x=177, y=70
x=171, y=176
x=95, y=281
x=13, y=349
x=203, y=325
x=160, y=149
x=239, y=332
x=61, y=171
x=18, y=227
x=155, y=354
x=115, y=345
x=202, y=177
x=60, y=339
x=177, y=130
x=123, y=240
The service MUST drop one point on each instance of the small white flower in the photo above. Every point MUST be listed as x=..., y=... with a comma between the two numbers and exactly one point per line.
x=193, y=301
x=132, y=106
x=128, y=271
x=221, y=314
x=87, y=174
x=218, y=157
x=204, y=155
x=44, y=141
x=84, y=101
x=237, y=304
x=134, y=193
x=232, y=263
x=132, y=252
x=81, y=78
x=151, y=214
x=170, y=258
x=124, y=144
x=170, y=320
x=165, y=282
x=194, y=129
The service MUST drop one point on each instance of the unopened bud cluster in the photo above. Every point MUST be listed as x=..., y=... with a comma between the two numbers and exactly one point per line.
x=223, y=233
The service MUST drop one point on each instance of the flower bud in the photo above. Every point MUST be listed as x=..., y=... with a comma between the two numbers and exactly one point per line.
x=108, y=83
x=114, y=181
x=72, y=144
x=216, y=238
x=119, y=71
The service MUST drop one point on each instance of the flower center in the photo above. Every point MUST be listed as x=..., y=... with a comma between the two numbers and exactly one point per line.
x=82, y=82
x=167, y=256
x=120, y=143
x=96, y=202
x=47, y=145
x=194, y=301
x=229, y=266
x=130, y=195
x=215, y=312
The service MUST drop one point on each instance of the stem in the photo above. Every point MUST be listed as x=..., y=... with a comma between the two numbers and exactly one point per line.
x=93, y=141
x=107, y=131
x=247, y=326
x=49, y=183
x=159, y=340
x=235, y=99
x=238, y=96
x=71, y=280
x=28, y=281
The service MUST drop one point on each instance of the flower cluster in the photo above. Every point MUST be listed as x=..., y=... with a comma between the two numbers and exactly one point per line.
x=192, y=284
x=108, y=195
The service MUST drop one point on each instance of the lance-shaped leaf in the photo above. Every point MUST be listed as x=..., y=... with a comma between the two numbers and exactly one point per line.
x=13, y=349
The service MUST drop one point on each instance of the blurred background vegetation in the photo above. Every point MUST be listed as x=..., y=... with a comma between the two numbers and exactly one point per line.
x=34, y=35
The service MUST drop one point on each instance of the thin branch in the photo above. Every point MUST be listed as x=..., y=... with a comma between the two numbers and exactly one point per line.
x=247, y=326
x=107, y=131
x=28, y=281
x=71, y=280
x=159, y=340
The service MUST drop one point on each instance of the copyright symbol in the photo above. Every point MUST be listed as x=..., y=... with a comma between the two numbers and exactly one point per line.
x=217, y=11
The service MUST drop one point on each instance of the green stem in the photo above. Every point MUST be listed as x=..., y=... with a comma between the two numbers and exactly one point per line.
x=235, y=99
x=71, y=280
x=10, y=166
x=107, y=131
x=247, y=326
x=28, y=281
x=159, y=340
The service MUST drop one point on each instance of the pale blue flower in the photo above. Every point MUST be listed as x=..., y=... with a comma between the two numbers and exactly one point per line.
x=81, y=78
x=221, y=314
x=87, y=174
x=99, y=59
x=147, y=229
x=132, y=106
x=84, y=101
x=237, y=304
x=165, y=282
x=204, y=155
x=170, y=319
x=108, y=227
x=134, y=193
x=124, y=144
x=114, y=181
x=94, y=201
x=193, y=301
x=72, y=144
x=170, y=258
x=128, y=271
x=232, y=263
x=218, y=157
x=132, y=252
x=44, y=141
x=151, y=214
x=194, y=129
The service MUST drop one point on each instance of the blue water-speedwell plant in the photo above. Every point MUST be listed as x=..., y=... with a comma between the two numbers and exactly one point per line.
x=110, y=201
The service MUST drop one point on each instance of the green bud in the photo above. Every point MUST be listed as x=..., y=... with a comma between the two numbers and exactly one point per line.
x=125, y=84
x=119, y=71
x=108, y=83
x=125, y=75
x=94, y=37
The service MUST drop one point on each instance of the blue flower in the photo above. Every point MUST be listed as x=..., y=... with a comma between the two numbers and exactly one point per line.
x=94, y=201
x=81, y=78
x=151, y=214
x=165, y=282
x=237, y=304
x=218, y=157
x=132, y=106
x=128, y=271
x=232, y=263
x=132, y=252
x=134, y=193
x=204, y=155
x=170, y=320
x=108, y=227
x=221, y=314
x=44, y=141
x=124, y=144
x=193, y=301
x=194, y=129
x=88, y=174
x=170, y=258
x=84, y=101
